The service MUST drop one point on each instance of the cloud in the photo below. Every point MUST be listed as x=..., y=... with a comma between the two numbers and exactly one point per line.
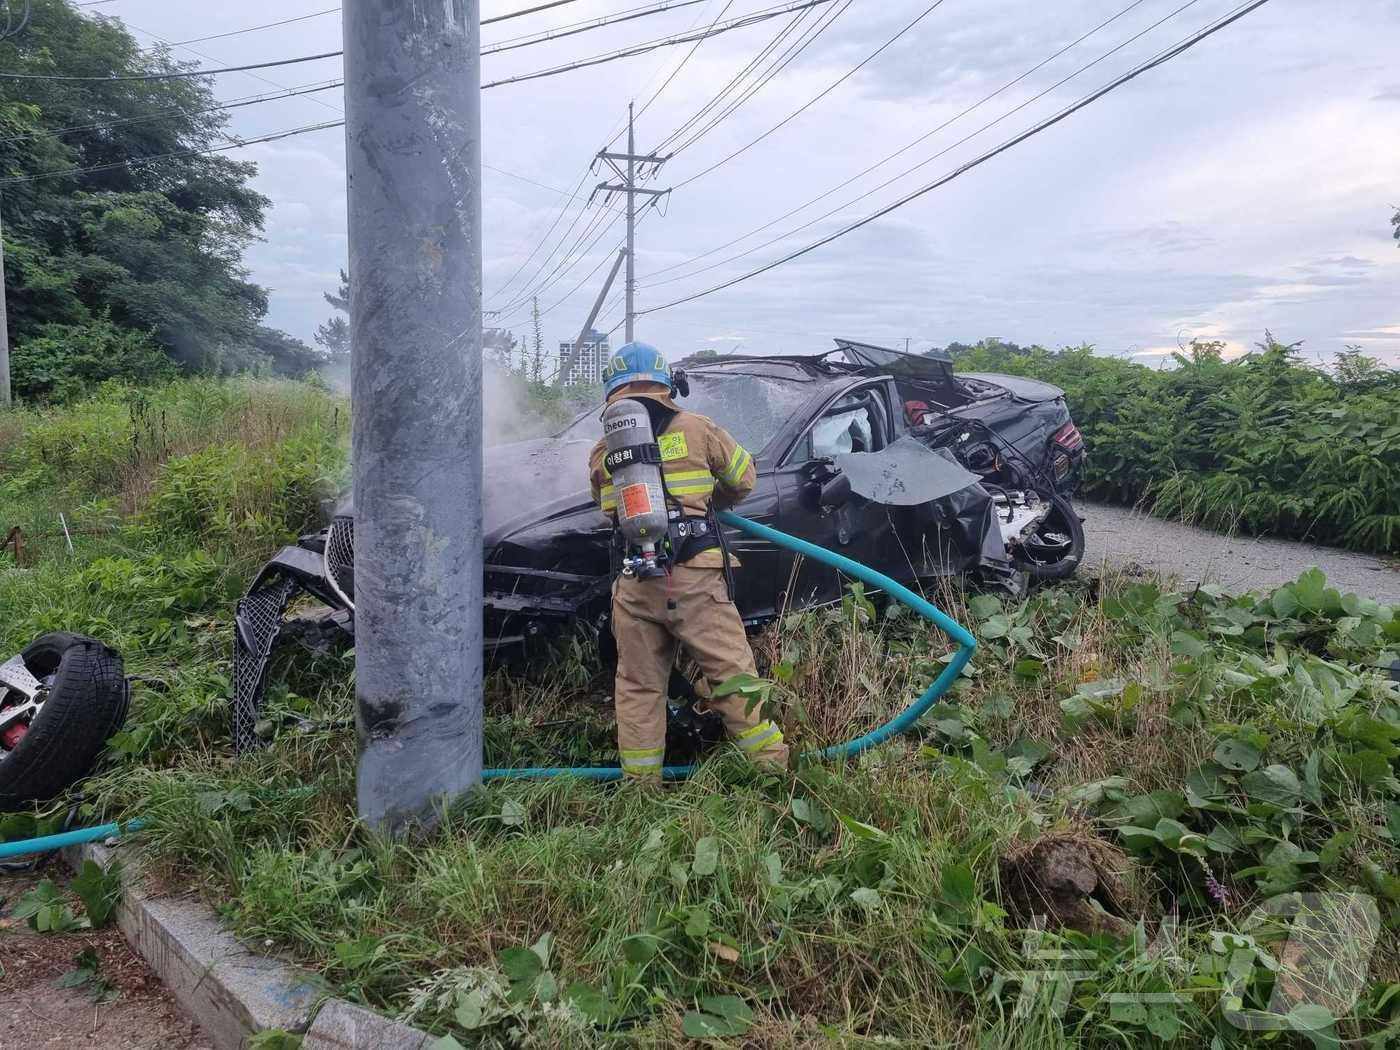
x=1247, y=184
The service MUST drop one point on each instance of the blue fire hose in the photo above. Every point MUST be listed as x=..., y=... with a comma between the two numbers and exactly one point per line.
x=902, y=721
x=64, y=839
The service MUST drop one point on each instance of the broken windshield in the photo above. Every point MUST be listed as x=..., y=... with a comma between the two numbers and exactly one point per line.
x=753, y=408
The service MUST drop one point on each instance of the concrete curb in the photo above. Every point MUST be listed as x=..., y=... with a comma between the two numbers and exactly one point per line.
x=344, y=1026
x=233, y=992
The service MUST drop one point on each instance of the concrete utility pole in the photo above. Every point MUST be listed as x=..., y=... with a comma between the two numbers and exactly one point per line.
x=4, y=333
x=637, y=165
x=413, y=167
x=561, y=377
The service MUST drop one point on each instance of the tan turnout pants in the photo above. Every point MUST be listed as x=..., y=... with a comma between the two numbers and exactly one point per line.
x=651, y=617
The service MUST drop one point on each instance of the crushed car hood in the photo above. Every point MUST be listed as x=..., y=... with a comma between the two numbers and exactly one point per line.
x=529, y=482
x=525, y=483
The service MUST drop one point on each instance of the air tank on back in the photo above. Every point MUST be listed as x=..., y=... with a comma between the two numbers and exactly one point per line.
x=634, y=463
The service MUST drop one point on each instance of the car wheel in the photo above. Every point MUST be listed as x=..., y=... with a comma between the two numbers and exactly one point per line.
x=1055, y=549
x=81, y=701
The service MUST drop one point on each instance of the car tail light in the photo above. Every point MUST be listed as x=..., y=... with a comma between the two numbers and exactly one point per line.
x=1069, y=438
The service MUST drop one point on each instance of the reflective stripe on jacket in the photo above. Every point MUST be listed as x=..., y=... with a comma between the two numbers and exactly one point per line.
x=700, y=461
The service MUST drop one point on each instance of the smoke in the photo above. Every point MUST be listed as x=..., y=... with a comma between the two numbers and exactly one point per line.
x=335, y=373
x=513, y=409
x=509, y=411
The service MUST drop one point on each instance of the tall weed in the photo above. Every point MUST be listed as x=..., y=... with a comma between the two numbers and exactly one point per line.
x=1261, y=444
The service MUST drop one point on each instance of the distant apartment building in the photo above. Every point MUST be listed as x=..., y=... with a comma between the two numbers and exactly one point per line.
x=588, y=367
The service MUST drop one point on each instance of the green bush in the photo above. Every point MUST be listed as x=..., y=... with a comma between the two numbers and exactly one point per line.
x=233, y=492
x=1263, y=443
x=67, y=360
x=246, y=461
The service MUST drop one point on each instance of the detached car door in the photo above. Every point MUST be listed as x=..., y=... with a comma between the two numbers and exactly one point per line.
x=857, y=421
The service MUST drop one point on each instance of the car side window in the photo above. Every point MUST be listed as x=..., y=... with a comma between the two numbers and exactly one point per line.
x=852, y=425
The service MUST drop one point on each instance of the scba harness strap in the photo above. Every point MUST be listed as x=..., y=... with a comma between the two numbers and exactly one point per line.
x=685, y=538
x=649, y=452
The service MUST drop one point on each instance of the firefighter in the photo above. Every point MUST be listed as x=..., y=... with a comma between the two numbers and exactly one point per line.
x=690, y=603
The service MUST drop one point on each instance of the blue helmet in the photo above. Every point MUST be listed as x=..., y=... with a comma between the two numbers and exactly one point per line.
x=636, y=363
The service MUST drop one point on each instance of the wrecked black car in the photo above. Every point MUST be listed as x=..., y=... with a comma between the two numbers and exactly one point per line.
x=888, y=458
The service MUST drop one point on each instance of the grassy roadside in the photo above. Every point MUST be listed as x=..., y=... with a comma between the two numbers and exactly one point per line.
x=1209, y=752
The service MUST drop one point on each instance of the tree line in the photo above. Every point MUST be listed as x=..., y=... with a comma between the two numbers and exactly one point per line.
x=115, y=269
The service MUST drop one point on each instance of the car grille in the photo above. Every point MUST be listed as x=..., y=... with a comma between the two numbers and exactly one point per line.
x=340, y=559
x=262, y=612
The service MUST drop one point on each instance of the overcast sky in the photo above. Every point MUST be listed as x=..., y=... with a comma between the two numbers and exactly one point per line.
x=1247, y=184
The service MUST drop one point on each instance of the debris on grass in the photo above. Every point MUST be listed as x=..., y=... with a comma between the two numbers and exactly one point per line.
x=1070, y=880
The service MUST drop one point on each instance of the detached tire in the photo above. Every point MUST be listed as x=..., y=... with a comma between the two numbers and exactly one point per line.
x=1065, y=520
x=86, y=703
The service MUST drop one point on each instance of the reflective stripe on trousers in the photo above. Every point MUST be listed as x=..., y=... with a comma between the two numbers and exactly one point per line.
x=652, y=618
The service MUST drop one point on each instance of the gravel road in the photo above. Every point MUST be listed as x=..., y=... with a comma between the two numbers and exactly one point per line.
x=1121, y=537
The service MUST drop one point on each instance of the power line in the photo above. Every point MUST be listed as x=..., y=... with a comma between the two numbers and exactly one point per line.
x=1033, y=130
x=778, y=64
x=234, y=144
x=606, y=258
x=564, y=268
x=159, y=114
x=914, y=167
x=547, y=34
x=612, y=56
x=210, y=58
x=584, y=27
x=525, y=11
x=282, y=92
x=173, y=75
x=922, y=138
x=679, y=66
x=572, y=257
x=256, y=65
x=794, y=50
x=531, y=287
x=642, y=49
x=578, y=255
x=523, y=178
x=135, y=161
x=254, y=29
x=568, y=257
x=815, y=98
x=619, y=297
x=575, y=254
x=572, y=195
x=587, y=171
